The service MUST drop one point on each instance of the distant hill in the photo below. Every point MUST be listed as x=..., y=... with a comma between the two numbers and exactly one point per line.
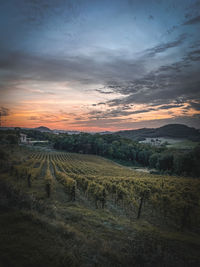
x=170, y=130
x=56, y=131
x=43, y=129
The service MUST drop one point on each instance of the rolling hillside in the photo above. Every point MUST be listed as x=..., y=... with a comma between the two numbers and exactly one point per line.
x=43, y=129
x=84, y=210
x=170, y=130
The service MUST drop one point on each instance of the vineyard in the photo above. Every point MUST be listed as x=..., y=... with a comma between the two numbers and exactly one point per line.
x=100, y=207
x=175, y=200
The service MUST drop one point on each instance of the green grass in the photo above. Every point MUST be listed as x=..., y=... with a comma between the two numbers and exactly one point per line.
x=186, y=144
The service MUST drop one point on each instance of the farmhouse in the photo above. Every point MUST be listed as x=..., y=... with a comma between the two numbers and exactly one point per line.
x=24, y=139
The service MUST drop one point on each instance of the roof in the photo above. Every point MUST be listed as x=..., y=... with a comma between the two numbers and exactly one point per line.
x=23, y=134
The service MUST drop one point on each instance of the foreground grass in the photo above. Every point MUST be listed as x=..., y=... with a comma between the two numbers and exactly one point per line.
x=26, y=242
x=63, y=233
x=29, y=239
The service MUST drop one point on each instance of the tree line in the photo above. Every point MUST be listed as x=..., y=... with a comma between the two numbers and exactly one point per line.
x=165, y=160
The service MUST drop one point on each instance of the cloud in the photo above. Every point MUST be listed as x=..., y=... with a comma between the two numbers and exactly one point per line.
x=85, y=70
x=178, y=82
x=192, y=21
x=64, y=47
x=195, y=105
x=39, y=91
x=33, y=118
x=193, y=55
x=98, y=123
x=79, y=118
x=165, y=46
x=124, y=76
x=4, y=111
x=116, y=113
x=171, y=106
x=51, y=118
x=36, y=13
x=116, y=124
x=103, y=91
x=126, y=110
x=103, y=67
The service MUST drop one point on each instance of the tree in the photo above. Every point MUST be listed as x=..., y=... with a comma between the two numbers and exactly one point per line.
x=12, y=139
x=184, y=164
x=153, y=159
x=165, y=162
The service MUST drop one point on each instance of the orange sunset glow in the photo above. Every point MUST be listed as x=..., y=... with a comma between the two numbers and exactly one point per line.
x=98, y=71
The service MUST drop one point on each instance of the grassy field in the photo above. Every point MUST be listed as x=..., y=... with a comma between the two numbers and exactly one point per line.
x=186, y=144
x=65, y=209
x=178, y=143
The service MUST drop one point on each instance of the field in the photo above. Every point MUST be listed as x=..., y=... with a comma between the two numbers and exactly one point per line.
x=185, y=144
x=178, y=143
x=84, y=210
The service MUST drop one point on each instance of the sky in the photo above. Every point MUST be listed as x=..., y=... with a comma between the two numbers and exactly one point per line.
x=99, y=65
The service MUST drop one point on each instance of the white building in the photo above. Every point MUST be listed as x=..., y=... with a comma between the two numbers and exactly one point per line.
x=23, y=138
